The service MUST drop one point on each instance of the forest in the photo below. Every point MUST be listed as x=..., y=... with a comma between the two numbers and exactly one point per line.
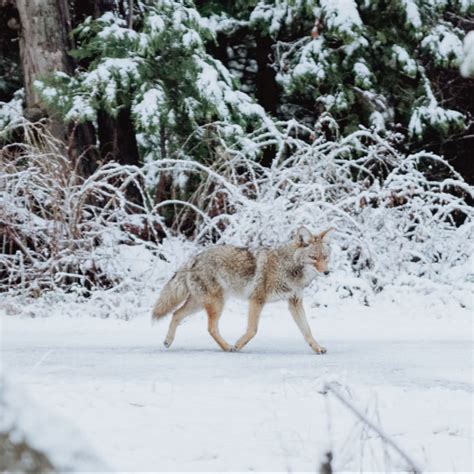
x=135, y=133
x=135, y=122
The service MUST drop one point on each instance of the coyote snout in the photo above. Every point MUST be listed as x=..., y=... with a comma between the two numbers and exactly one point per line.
x=259, y=275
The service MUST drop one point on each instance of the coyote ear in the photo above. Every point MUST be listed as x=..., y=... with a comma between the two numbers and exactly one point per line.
x=323, y=234
x=303, y=236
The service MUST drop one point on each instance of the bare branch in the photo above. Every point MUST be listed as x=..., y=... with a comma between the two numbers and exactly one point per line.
x=355, y=411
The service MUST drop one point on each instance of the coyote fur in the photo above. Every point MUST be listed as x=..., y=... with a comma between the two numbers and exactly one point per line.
x=259, y=275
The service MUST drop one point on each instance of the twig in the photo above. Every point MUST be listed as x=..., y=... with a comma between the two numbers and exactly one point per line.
x=329, y=387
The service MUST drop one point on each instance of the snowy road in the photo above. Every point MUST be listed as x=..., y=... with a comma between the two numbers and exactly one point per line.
x=193, y=407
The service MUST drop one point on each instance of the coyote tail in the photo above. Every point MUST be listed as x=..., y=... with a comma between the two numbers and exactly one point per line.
x=173, y=293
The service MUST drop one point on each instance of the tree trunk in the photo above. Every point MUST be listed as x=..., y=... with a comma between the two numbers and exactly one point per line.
x=117, y=134
x=266, y=87
x=118, y=142
x=44, y=41
x=267, y=92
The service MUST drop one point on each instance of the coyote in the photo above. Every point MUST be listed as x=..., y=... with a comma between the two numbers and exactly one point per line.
x=259, y=275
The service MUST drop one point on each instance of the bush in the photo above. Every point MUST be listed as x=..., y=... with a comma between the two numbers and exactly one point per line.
x=396, y=215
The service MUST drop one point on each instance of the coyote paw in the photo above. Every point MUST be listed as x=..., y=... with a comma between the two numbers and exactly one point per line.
x=320, y=350
x=167, y=343
x=233, y=349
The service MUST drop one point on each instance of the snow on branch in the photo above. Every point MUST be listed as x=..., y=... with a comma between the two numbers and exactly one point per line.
x=396, y=215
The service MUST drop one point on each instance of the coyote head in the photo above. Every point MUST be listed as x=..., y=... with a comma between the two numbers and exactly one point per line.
x=312, y=249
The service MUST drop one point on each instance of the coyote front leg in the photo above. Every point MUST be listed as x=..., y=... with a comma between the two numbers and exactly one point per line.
x=297, y=311
x=214, y=309
x=255, y=309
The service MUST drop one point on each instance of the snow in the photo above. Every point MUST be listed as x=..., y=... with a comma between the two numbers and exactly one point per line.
x=109, y=17
x=48, y=92
x=312, y=61
x=273, y=17
x=82, y=108
x=467, y=65
x=112, y=74
x=150, y=107
x=358, y=44
x=362, y=74
x=401, y=57
x=155, y=23
x=26, y=421
x=11, y=113
x=377, y=120
x=435, y=116
x=117, y=32
x=406, y=360
x=342, y=15
x=412, y=14
x=444, y=45
x=214, y=84
x=244, y=103
x=222, y=23
x=210, y=87
x=191, y=39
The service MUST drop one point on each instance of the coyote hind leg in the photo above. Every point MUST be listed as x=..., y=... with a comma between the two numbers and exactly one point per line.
x=189, y=307
x=214, y=309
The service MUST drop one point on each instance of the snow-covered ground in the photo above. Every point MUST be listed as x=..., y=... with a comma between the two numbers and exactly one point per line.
x=406, y=363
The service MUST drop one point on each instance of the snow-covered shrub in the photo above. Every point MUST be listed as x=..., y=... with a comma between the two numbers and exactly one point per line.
x=57, y=227
x=398, y=217
x=11, y=113
x=395, y=214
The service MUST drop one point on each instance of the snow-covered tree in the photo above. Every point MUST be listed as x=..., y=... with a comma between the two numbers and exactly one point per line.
x=162, y=71
x=157, y=76
x=370, y=62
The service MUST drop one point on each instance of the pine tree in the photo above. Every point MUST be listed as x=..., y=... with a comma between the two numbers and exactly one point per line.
x=162, y=71
x=371, y=62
